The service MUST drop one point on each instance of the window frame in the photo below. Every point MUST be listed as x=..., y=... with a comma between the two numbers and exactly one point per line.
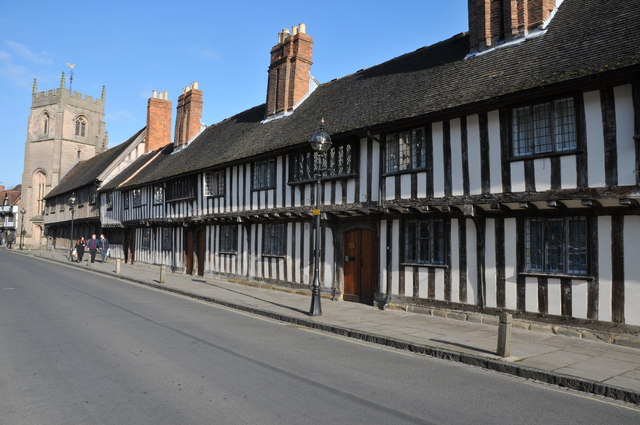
x=228, y=232
x=217, y=182
x=145, y=238
x=109, y=202
x=167, y=238
x=125, y=200
x=137, y=198
x=274, y=247
x=270, y=165
x=181, y=188
x=540, y=259
x=81, y=126
x=411, y=165
x=158, y=194
x=434, y=253
x=531, y=148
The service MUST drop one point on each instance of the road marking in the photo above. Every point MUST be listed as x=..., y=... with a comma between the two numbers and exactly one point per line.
x=571, y=393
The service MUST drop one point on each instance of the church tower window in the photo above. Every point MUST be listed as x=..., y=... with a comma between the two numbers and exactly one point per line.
x=45, y=124
x=81, y=126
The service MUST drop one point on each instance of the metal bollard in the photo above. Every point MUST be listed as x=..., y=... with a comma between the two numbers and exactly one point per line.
x=117, y=266
x=504, y=335
x=163, y=272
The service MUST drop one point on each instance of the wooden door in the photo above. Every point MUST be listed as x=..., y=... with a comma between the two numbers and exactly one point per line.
x=188, y=250
x=200, y=250
x=359, y=266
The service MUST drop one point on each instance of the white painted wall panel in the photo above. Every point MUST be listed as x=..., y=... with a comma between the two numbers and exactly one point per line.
x=405, y=186
x=408, y=281
x=490, y=264
x=631, y=270
x=495, y=155
x=383, y=256
x=351, y=191
x=604, y=267
x=472, y=264
x=422, y=185
x=375, y=169
x=510, y=272
x=554, y=296
x=329, y=259
x=624, y=135
x=517, y=176
x=595, y=139
x=456, y=158
x=390, y=185
x=568, y=173
x=531, y=294
x=542, y=171
x=440, y=284
x=395, y=259
x=423, y=282
x=475, y=158
x=579, y=291
x=363, y=170
x=455, y=261
x=438, y=159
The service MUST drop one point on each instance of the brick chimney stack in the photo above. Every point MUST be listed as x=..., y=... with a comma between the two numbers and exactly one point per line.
x=290, y=70
x=158, y=121
x=188, y=114
x=494, y=21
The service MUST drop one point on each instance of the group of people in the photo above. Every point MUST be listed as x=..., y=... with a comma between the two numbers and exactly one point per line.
x=93, y=245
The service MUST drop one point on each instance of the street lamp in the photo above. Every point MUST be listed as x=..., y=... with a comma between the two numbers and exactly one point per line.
x=320, y=143
x=22, y=212
x=72, y=205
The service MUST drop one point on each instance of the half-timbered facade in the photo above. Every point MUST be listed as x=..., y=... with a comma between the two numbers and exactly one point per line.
x=496, y=170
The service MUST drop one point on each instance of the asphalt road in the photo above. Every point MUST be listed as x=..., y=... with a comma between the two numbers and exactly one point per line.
x=79, y=348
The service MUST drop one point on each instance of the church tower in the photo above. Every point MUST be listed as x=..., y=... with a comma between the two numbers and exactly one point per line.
x=63, y=128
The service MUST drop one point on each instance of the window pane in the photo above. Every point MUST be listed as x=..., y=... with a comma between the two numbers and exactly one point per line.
x=533, y=245
x=522, y=132
x=392, y=153
x=419, y=159
x=554, y=249
x=404, y=150
x=577, y=246
x=565, y=124
x=542, y=128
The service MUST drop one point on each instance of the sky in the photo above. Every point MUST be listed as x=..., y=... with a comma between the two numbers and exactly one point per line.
x=137, y=46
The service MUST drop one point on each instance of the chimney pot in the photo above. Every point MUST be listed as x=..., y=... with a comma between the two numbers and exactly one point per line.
x=294, y=30
x=194, y=85
x=154, y=94
x=302, y=28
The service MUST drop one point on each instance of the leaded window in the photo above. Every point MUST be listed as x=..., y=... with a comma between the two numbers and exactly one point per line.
x=405, y=151
x=556, y=245
x=229, y=239
x=109, y=196
x=274, y=239
x=136, y=194
x=214, y=183
x=264, y=174
x=167, y=238
x=93, y=195
x=125, y=200
x=158, y=195
x=338, y=162
x=544, y=128
x=181, y=188
x=425, y=241
x=145, y=242
x=81, y=126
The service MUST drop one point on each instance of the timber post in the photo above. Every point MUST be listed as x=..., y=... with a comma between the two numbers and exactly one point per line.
x=117, y=271
x=163, y=273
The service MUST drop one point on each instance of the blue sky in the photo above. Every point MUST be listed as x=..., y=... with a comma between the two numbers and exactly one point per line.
x=135, y=47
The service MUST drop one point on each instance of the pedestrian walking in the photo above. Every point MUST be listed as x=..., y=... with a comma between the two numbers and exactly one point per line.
x=80, y=246
x=104, y=248
x=93, y=247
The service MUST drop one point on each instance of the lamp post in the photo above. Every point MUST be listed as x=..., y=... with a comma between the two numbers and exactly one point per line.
x=22, y=212
x=320, y=143
x=72, y=205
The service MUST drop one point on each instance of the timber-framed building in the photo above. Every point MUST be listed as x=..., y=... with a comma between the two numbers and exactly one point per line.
x=495, y=170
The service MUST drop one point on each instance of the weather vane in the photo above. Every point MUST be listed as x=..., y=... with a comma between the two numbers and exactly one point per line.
x=70, y=65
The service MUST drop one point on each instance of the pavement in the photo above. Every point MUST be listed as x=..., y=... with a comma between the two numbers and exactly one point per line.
x=580, y=364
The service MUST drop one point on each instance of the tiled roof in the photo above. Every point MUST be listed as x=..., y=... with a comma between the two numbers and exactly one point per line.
x=585, y=38
x=12, y=196
x=86, y=172
x=135, y=166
